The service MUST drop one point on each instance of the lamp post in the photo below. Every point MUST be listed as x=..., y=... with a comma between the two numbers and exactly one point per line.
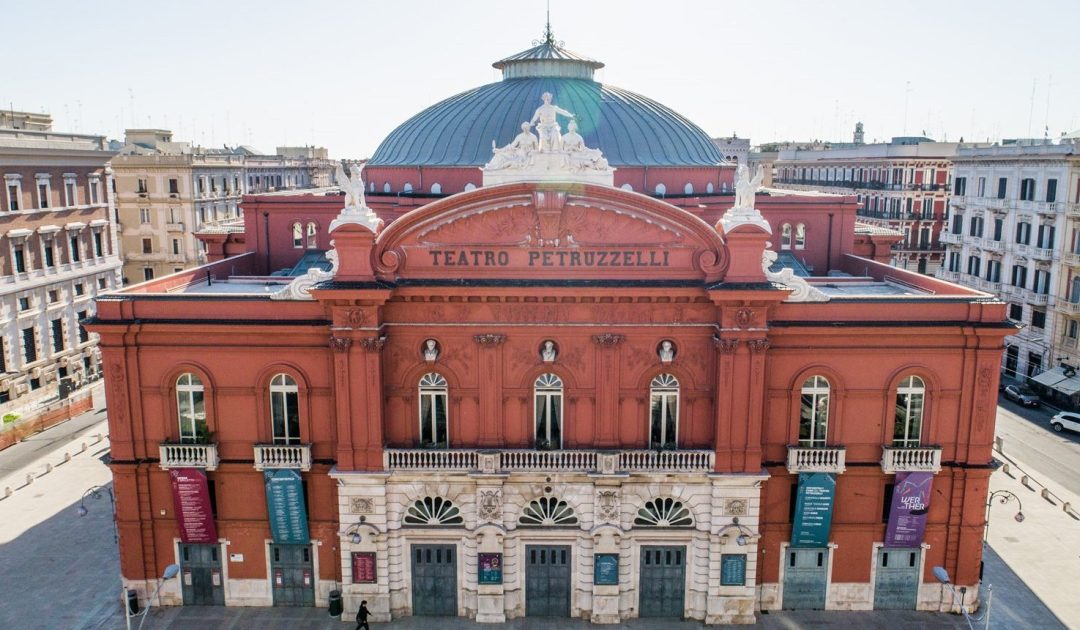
x=1003, y=497
x=171, y=571
x=943, y=576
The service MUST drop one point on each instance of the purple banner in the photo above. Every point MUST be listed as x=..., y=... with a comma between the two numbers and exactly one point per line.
x=907, y=515
x=191, y=497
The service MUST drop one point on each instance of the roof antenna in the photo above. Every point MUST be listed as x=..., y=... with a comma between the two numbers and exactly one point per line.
x=549, y=37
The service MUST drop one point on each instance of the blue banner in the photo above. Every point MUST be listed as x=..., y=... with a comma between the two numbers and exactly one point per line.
x=813, y=510
x=285, y=505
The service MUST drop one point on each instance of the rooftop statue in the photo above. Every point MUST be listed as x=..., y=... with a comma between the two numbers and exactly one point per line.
x=745, y=187
x=578, y=156
x=515, y=154
x=547, y=123
x=352, y=185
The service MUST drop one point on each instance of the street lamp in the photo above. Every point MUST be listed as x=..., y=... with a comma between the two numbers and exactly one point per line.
x=943, y=576
x=97, y=492
x=171, y=571
x=1003, y=497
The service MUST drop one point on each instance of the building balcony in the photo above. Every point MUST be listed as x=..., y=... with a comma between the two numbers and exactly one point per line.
x=1039, y=207
x=896, y=459
x=990, y=245
x=1071, y=258
x=948, y=276
x=297, y=456
x=174, y=227
x=189, y=456
x=1068, y=308
x=1042, y=253
x=1072, y=210
x=950, y=238
x=1038, y=299
x=812, y=459
x=1008, y=290
x=526, y=460
x=990, y=286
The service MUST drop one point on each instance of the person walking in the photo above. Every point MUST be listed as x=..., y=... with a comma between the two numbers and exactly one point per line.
x=361, y=617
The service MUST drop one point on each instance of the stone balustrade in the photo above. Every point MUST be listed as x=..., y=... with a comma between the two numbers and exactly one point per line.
x=811, y=459
x=604, y=462
x=297, y=456
x=189, y=456
x=896, y=459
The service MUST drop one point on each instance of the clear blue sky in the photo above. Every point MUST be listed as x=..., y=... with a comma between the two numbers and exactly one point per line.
x=344, y=74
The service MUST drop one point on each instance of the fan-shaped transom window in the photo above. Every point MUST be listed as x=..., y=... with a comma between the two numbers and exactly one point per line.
x=191, y=408
x=284, y=409
x=663, y=411
x=433, y=511
x=548, y=511
x=910, y=397
x=548, y=396
x=433, y=423
x=814, y=412
x=664, y=513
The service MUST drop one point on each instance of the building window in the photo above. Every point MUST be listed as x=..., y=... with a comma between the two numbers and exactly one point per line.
x=191, y=408
x=1034, y=364
x=433, y=511
x=910, y=396
x=79, y=288
x=661, y=189
x=688, y=189
x=43, y=190
x=174, y=186
x=54, y=296
x=13, y=185
x=1045, y=237
x=312, y=236
x=436, y=188
x=70, y=192
x=1041, y=284
x=547, y=396
x=960, y=186
x=84, y=336
x=144, y=216
x=1003, y=187
x=24, y=304
x=433, y=399
x=29, y=345
x=147, y=246
x=982, y=186
x=57, y=329
x=814, y=412
x=1023, y=233
x=20, y=259
x=284, y=409
x=74, y=254
x=93, y=185
x=176, y=246
x=548, y=511
x=148, y=273
x=663, y=411
x=386, y=187
x=297, y=235
x=1038, y=318
x=141, y=187
x=1019, y=276
x=99, y=248
x=800, y=236
x=1027, y=189
x=785, y=236
x=664, y=513
x=1051, y=190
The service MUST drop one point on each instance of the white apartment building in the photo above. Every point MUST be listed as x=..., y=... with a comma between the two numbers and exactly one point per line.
x=58, y=250
x=1014, y=231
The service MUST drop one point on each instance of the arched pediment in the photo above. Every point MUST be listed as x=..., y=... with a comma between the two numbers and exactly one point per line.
x=550, y=231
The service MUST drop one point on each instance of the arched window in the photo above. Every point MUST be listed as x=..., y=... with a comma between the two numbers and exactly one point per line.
x=661, y=189
x=297, y=235
x=785, y=236
x=548, y=395
x=627, y=187
x=433, y=511
x=386, y=187
x=814, y=412
x=910, y=396
x=407, y=187
x=709, y=188
x=663, y=411
x=371, y=186
x=548, y=511
x=436, y=188
x=688, y=189
x=312, y=236
x=470, y=186
x=433, y=433
x=191, y=408
x=664, y=513
x=800, y=236
x=284, y=409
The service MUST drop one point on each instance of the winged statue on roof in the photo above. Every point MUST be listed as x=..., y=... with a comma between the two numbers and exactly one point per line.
x=352, y=185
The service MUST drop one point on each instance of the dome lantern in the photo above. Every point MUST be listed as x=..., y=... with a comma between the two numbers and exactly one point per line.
x=548, y=58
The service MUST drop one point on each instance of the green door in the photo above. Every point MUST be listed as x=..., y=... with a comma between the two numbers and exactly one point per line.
x=201, y=580
x=896, y=586
x=292, y=578
x=805, y=578
x=434, y=580
x=663, y=582
x=547, y=581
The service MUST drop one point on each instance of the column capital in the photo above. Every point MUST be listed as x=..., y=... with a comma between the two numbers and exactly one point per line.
x=608, y=339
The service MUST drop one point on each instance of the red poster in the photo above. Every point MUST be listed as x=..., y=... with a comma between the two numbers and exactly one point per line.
x=191, y=497
x=363, y=567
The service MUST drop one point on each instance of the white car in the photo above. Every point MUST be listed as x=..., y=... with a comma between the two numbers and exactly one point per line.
x=1066, y=420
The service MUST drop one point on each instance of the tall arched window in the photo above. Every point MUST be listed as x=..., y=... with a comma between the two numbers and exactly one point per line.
x=785, y=236
x=386, y=187
x=910, y=396
x=663, y=411
x=688, y=189
x=709, y=188
x=548, y=395
x=800, y=236
x=191, y=408
x=285, y=409
x=814, y=413
x=297, y=235
x=312, y=236
x=433, y=432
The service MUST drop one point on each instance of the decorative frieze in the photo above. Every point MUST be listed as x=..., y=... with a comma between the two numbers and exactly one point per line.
x=490, y=339
x=609, y=340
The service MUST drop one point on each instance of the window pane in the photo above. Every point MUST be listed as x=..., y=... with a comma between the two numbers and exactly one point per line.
x=541, y=417
x=440, y=420
x=672, y=408
x=900, y=428
x=277, y=414
x=187, y=419
x=806, y=418
x=556, y=420
x=915, y=419
x=292, y=417
x=425, y=419
x=821, y=420
x=656, y=415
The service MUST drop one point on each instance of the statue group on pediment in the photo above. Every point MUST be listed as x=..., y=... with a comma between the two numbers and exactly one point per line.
x=569, y=148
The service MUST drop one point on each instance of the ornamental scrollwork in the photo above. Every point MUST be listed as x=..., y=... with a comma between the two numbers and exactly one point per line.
x=489, y=339
x=340, y=344
x=373, y=344
x=608, y=339
x=758, y=346
x=726, y=346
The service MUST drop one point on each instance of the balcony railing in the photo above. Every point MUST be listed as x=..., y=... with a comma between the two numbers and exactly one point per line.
x=950, y=238
x=950, y=276
x=1071, y=258
x=991, y=245
x=1069, y=308
x=189, y=456
x=283, y=456
x=1042, y=253
x=606, y=462
x=809, y=459
x=896, y=459
x=1038, y=299
x=174, y=227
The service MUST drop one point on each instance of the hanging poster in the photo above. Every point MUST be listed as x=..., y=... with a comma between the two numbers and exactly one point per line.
x=907, y=514
x=490, y=568
x=813, y=510
x=733, y=569
x=191, y=499
x=363, y=567
x=285, y=505
x=606, y=569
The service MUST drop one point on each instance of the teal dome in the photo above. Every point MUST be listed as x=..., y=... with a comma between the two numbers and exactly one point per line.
x=630, y=129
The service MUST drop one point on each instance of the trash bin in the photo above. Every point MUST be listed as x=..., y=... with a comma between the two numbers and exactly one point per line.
x=132, y=602
x=336, y=605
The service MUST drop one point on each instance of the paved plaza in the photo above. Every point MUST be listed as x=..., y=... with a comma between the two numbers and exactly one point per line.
x=60, y=569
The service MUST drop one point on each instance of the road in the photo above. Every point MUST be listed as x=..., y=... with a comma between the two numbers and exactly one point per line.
x=1026, y=435
x=18, y=456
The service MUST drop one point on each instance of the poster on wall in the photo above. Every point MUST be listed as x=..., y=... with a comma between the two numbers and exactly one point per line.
x=490, y=568
x=606, y=569
x=733, y=569
x=907, y=514
x=191, y=499
x=813, y=510
x=285, y=506
x=363, y=567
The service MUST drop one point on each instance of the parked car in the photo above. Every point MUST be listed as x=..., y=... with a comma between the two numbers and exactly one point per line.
x=1022, y=395
x=1066, y=420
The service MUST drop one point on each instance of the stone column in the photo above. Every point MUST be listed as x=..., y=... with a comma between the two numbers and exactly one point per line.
x=725, y=362
x=490, y=388
x=367, y=408
x=606, y=410
x=342, y=404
